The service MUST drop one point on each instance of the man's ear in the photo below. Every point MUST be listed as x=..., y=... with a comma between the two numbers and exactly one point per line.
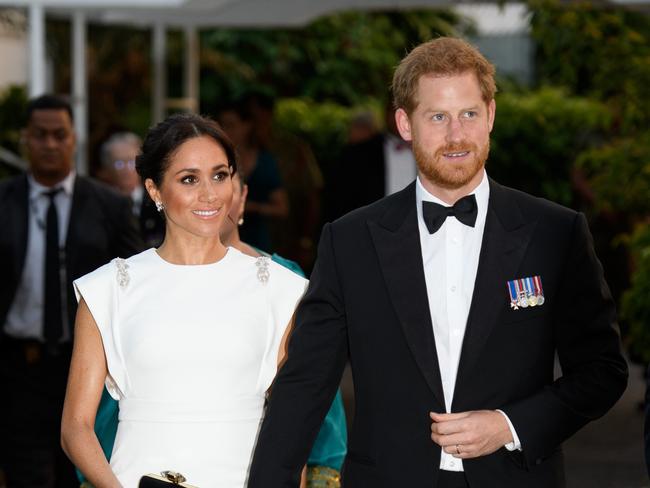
x=492, y=109
x=403, y=124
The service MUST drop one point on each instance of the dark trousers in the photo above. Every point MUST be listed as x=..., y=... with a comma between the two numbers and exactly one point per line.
x=33, y=380
x=452, y=479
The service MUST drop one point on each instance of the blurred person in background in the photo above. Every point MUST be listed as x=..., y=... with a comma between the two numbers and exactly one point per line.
x=301, y=176
x=57, y=226
x=267, y=197
x=117, y=169
x=384, y=162
x=362, y=127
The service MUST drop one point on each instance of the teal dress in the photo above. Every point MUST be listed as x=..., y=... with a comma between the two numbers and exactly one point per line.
x=328, y=450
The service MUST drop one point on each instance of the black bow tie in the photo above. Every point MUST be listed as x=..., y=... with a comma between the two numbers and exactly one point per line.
x=465, y=210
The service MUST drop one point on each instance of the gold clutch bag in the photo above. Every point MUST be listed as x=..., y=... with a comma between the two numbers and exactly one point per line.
x=166, y=479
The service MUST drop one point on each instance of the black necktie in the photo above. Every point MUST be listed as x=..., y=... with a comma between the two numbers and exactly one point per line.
x=52, y=311
x=465, y=210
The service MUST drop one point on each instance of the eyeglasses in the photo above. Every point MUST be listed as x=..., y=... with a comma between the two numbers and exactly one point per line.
x=121, y=165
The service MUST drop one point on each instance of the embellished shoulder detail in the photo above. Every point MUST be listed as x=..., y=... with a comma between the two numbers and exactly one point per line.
x=123, y=277
x=263, y=273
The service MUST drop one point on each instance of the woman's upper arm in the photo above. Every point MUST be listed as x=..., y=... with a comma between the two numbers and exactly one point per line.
x=87, y=370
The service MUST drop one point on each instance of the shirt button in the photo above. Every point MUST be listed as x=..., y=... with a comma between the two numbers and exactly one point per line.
x=455, y=240
x=452, y=464
x=453, y=288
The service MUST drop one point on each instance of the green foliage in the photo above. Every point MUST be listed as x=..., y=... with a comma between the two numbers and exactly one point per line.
x=343, y=58
x=619, y=174
x=603, y=52
x=635, y=309
x=12, y=107
x=324, y=124
x=537, y=136
x=596, y=51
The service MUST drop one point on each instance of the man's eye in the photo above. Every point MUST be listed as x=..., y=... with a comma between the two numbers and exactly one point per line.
x=470, y=114
x=438, y=117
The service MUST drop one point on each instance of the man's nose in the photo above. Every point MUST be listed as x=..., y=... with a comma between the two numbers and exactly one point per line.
x=454, y=130
x=50, y=141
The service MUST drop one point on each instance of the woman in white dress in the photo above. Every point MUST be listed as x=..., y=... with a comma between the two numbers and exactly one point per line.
x=187, y=337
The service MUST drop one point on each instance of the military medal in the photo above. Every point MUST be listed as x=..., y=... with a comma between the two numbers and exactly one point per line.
x=512, y=290
x=522, y=299
x=530, y=292
x=539, y=292
x=525, y=292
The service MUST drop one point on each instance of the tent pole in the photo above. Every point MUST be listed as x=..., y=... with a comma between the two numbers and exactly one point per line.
x=36, y=50
x=79, y=89
x=159, y=55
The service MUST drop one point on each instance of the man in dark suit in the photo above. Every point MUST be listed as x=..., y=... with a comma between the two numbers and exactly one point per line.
x=374, y=168
x=450, y=299
x=56, y=226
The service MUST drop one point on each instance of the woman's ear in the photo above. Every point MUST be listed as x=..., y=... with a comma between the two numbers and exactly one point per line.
x=152, y=190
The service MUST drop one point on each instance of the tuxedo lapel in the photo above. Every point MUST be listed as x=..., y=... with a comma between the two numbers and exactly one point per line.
x=505, y=240
x=397, y=242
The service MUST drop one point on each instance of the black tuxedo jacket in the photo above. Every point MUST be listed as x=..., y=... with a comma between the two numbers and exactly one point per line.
x=367, y=301
x=364, y=182
x=101, y=228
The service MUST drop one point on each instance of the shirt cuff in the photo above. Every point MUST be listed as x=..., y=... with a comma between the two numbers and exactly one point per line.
x=515, y=445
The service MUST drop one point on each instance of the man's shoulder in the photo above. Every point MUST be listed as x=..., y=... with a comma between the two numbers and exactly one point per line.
x=98, y=189
x=13, y=184
x=524, y=207
x=376, y=210
x=531, y=206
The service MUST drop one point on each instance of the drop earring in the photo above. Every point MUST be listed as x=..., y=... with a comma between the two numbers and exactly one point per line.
x=159, y=206
x=240, y=221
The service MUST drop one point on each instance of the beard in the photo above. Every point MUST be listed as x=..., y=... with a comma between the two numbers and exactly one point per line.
x=448, y=175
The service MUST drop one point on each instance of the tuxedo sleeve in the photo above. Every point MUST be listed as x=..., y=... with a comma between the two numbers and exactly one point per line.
x=594, y=372
x=307, y=382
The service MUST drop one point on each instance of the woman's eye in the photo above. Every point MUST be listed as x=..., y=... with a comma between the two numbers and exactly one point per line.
x=188, y=180
x=221, y=175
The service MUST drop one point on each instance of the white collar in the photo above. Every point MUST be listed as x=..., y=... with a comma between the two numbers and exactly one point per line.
x=36, y=189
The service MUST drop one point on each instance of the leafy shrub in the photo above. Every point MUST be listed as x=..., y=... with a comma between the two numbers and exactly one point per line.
x=537, y=137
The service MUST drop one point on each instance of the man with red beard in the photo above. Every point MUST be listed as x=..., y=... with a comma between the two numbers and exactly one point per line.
x=450, y=299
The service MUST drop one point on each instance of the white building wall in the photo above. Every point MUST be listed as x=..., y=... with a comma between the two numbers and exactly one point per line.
x=13, y=55
x=503, y=36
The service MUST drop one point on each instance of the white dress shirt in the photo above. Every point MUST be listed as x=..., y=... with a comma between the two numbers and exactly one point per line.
x=399, y=164
x=25, y=317
x=450, y=257
x=137, y=196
